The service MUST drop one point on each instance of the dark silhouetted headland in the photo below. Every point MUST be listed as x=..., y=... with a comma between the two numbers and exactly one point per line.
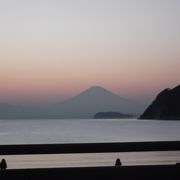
x=166, y=106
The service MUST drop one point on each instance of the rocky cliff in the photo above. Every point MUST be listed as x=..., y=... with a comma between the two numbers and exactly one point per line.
x=166, y=106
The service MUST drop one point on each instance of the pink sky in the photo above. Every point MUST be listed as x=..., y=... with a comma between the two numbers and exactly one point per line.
x=54, y=50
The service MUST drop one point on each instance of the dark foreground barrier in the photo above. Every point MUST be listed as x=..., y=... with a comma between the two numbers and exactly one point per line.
x=89, y=148
x=153, y=172
x=164, y=172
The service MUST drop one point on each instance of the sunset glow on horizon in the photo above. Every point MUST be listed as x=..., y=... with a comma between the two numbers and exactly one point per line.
x=52, y=50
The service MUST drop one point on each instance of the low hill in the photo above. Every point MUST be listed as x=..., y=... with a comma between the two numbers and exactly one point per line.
x=111, y=115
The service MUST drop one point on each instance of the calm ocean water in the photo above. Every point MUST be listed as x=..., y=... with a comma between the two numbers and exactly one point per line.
x=88, y=130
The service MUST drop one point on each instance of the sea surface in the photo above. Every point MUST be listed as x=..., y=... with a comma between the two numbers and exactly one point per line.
x=87, y=131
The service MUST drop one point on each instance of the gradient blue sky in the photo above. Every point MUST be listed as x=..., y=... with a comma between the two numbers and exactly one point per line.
x=53, y=49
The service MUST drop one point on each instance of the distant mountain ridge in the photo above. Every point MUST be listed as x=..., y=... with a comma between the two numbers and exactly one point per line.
x=85, y=105
x=95, y=99
x=166, y=106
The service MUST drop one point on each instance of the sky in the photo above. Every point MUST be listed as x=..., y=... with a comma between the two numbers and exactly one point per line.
x=54, y=49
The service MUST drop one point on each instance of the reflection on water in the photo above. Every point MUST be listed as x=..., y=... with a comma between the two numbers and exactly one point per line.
x=102, y=159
